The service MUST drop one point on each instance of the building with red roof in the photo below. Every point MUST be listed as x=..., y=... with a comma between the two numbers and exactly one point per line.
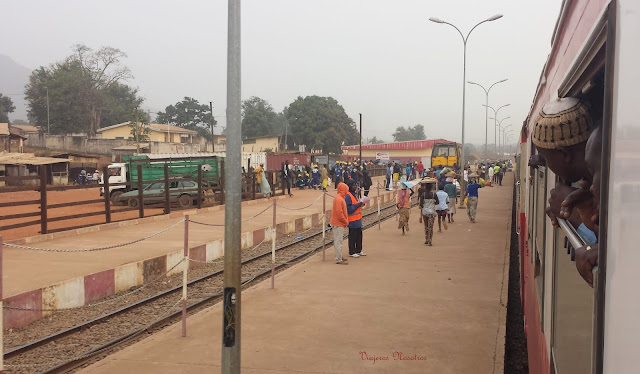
x=413, y=150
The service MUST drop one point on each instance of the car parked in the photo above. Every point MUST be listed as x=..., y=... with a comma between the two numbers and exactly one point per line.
x=182, y=192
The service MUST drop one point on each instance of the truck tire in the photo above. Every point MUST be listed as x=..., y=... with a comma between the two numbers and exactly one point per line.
x=133, y=203
x=185, y=201
x=115, y=197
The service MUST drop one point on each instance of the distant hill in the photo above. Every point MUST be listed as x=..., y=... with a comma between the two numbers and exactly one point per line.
x=13, y=78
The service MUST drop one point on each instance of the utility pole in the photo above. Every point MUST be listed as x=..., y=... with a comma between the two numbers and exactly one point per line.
x=360, y=157
x=213, y=137
x=137, y=132
x=230, y=361
x=48, y=124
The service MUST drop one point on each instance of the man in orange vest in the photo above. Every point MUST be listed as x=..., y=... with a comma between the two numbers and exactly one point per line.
x=354, y=212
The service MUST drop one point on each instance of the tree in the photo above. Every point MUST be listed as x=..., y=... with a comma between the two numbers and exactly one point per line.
x=258, y=118
x=139, y=124
x=62, y=82
x=403, y=134
x=6, y=107
x=320, y=123
x=101, y=70
x=120, y=101
x=375, y=140
x=80, y=89
x=188, y=114
x=19, y=122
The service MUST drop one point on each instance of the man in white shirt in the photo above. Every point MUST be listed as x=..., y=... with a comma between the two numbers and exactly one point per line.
x=491, y=171
x=443, y=208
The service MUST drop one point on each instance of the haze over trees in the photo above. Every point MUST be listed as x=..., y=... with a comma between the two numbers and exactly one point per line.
x=6, y=107
x=403, y=134
x=81, y=89
x=188, y=114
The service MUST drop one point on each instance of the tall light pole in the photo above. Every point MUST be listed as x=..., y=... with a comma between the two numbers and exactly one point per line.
x=48, y=125
x=504, y=137
x=486, y=114
x=464, y=80
x=500, y=128
x=495, y=115
x=360, y=139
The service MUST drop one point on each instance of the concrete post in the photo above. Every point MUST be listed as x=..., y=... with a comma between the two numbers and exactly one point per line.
x=184, y=275
x=230, y=360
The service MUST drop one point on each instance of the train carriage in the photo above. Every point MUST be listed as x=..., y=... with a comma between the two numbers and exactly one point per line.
x=570, y=326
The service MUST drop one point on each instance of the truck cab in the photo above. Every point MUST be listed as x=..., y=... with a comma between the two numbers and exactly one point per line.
x=117, y=174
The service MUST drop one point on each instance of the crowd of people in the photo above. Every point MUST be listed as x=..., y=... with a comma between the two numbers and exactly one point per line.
x=569, y=142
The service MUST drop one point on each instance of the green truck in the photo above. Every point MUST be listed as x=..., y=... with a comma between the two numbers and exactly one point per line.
x=153, y=171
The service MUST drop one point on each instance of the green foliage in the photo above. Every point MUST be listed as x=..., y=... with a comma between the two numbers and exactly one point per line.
x=320, y=123
x=120, y=101
x=6, y=107
x=188, y=114
x=403, y=134
x=258, y=118
x=19, y=122
x=375, y=140
x=81, y=88
x=139, y=124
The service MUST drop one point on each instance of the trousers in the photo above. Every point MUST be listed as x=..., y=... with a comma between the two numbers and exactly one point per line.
x=355, y=240
x=338, y=234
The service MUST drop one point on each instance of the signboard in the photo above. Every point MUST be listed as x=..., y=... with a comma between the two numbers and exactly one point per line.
x=382, y=156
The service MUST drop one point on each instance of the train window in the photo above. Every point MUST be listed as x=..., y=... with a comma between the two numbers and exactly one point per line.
x=538, y=250
x=572, y=313
x=443, y=151
x=452, y=151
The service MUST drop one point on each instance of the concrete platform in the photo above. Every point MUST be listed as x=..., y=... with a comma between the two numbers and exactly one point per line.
x=52, y=280
x=441, y=308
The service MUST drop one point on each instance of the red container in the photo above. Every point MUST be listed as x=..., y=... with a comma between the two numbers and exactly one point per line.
x=275, y=160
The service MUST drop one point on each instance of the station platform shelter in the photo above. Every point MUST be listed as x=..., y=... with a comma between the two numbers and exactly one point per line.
x=404, y=308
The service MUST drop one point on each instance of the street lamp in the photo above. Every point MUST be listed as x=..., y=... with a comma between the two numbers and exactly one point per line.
x=486, y=113
x=495, y=115
x=500, y=128
x=464, y=78
x=505, y=135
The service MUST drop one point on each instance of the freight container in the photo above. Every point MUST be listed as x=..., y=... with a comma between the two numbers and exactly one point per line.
x=275, y=160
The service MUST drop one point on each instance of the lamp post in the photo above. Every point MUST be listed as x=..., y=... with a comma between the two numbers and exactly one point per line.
x=464, y=79
x=500, y=128
x=505, y=135
x=486, y=113
x=495, y=115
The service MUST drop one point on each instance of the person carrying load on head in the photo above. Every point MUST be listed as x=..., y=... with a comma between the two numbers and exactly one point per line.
x=404, y=206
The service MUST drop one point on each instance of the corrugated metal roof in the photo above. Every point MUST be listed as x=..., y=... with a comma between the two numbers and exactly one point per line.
x=160, y=127
x=28, y=159
x=412, y=144
x=4, y=129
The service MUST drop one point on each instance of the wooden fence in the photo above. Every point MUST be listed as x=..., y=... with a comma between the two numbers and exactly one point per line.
x=208, y=191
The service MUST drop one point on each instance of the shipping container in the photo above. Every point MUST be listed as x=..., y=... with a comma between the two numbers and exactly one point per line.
x=275, y=160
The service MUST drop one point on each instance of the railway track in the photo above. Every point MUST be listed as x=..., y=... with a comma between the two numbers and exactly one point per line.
x=109, y=332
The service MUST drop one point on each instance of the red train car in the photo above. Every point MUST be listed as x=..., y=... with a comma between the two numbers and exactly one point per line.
x=571, y=327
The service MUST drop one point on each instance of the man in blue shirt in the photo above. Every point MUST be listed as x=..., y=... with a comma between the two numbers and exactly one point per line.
x=472, y=194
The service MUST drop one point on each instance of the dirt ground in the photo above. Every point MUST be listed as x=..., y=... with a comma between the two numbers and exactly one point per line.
x=58, y=197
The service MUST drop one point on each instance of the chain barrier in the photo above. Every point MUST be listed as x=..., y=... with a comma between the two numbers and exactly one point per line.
x=304, y=207
x=93, y=249
x=106, y=301
x=221, y=261
x=222, y=225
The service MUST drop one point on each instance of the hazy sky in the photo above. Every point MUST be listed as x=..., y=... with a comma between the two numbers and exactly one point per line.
x=380, y=58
